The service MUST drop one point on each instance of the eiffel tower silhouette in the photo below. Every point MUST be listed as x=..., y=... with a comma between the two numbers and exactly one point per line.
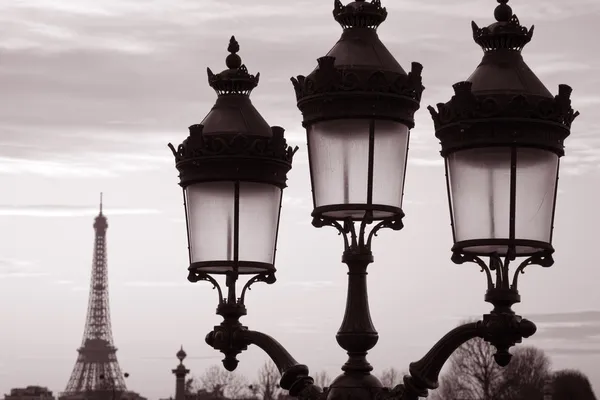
x=97, y=368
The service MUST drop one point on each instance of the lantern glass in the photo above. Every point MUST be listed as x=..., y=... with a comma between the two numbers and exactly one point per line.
x=353, y=171
x=219, y=229
x=480, y=183
x=536, y=190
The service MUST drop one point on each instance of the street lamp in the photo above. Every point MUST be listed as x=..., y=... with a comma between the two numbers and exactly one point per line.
x=104, y=380
x=502, y=134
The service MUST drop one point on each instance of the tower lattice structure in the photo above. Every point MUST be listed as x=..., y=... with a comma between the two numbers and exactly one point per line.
x=97, y=367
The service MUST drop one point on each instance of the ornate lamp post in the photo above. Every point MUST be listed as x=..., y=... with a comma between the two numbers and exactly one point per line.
x=104, y=380
x=502, y=135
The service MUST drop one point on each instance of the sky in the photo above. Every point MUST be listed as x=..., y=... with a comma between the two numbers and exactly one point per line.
x=91, y=93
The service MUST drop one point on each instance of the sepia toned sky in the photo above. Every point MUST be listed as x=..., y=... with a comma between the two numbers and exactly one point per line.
x=92, y=91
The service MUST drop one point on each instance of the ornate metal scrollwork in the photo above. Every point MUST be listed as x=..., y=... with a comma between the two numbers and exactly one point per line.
x=196, y=276
x=502, y=268
x=267, y=277
x=360, y=240
x=460, y=258
x=357, y=92
x=234, y=144
x=543, y=259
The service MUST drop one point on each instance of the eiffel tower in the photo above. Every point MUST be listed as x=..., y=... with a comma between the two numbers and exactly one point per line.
x=97, y=369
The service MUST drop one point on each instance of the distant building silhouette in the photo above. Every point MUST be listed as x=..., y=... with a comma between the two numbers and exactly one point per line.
x=97, y=374
x=180, y=373
x=30, y=393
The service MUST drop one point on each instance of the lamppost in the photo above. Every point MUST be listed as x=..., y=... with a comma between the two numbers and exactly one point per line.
x=501, y=135
x=104, y=380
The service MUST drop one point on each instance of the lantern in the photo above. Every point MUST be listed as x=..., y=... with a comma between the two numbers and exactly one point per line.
x=233, y=169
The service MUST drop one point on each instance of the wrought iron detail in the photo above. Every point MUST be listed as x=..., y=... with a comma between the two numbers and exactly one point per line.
x=501, y=328
x=507, y=33
x=543, y=260
x=231, y=338
x=359, y=14
x=234, y=157
x=458, y=123
x=235, y=79
x=341, y=92
x=266, y=277
x=501, y=268
x=275, y=147
x=197, y=276
x=360, y=241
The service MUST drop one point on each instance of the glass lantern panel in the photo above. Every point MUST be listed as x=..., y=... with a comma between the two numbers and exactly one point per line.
x=480, y=195
x=536, y=189
x=259, y=218
x=210, y=218
x=389, y=164
x=339, y=157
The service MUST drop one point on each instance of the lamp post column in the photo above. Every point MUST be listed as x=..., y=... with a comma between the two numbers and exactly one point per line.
x=357, y=335
x=180, y=373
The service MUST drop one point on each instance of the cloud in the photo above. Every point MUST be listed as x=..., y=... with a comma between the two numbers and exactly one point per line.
x=574, y=316
x=580, y=327
x=83, y=166
x=171, y=357
x=91, y=79
x=63, y=282
x=156, y=284
x=551, y=10
x=573, y=351
x=50, y=211
x=311, y=285
x=14, y=268
x=297, y=202
x=425, y=162
x=298, y=326
x=23, y=275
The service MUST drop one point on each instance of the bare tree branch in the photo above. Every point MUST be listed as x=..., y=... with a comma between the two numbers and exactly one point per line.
x=322, y=379
x=267, y=384
x=391, y=377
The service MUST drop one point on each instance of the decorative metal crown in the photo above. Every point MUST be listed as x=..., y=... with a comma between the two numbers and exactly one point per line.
x=233, y=157
x=507, y=33
x=273, y=147
x=359, y=14
x=235, y=79
x=457, y=121
x=331, y=92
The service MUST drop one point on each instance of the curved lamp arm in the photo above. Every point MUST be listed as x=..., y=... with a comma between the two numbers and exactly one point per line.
x=231, y=338
x=424, y=373
x=294, y=376
x=501, y=328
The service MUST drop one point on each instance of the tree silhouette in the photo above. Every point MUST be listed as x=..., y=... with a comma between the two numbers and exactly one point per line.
x=571, y=384
x=267, y=384
x=525, y=376
x=391, y=377
x=322, y=379
x=221, y=384
x=474, y=375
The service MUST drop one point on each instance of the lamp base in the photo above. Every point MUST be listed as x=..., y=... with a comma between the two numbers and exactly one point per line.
x=355, y=386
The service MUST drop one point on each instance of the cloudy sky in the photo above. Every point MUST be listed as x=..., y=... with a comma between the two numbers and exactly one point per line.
x=92, y=91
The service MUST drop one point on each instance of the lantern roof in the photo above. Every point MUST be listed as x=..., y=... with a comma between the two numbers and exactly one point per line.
x=359, y=77
x=504, y=93
x=233, y=142
x=506, y=33
x=233, y=112
x=359, y=13
x=235, y=79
